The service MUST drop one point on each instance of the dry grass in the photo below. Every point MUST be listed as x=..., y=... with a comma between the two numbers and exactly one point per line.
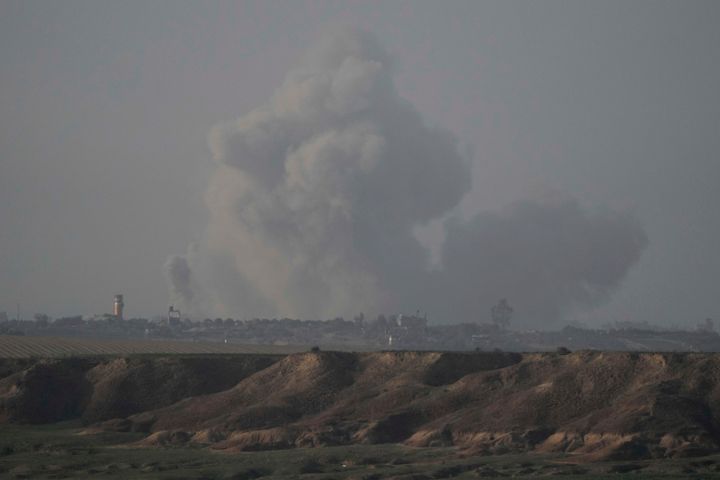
x=12, y=346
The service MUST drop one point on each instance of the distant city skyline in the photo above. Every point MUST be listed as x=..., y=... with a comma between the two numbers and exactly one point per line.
x=107, y=108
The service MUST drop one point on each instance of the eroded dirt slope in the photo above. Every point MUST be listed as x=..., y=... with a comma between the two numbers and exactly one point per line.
x=42, y=391
x=597, y=405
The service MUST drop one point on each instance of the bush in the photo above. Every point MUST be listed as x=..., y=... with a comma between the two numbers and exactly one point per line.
x=315, y=349
x=563, y=351
x=310, y=466
x=248, y=474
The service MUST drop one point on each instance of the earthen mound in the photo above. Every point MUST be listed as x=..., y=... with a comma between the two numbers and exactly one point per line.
x=597, y=405
x=95, y=389
x=125, y=386
x=45, y=391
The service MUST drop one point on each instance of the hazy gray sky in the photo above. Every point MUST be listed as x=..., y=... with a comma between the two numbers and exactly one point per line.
x=105, y=108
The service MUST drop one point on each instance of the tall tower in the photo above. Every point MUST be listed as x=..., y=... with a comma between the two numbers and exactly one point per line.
x=118, y=306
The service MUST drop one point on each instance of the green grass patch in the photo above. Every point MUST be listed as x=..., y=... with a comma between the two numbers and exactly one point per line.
x=62, y=451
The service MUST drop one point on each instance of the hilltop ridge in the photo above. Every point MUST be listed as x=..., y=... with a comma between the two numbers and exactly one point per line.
x=597, y=405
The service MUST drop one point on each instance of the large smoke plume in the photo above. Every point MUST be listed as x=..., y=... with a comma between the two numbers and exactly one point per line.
x=551, y=256
x=317, y=194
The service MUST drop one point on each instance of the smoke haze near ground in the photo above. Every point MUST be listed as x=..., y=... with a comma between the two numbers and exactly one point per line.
x=550, y=256
x=318, y=192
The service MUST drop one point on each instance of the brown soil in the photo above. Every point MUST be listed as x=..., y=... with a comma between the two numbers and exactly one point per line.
x=95, y=389
x=596, y=405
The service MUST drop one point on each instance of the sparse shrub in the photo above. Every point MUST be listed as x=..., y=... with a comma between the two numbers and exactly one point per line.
x=627, y=467
x=369, y=476
x=450, y=472
x=248, y=474
x=315, y=349
x=310, y=465
x=563, y=351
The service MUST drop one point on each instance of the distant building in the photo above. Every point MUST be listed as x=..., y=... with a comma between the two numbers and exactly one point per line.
x=174, y=316
x=411, y=321
x=407, y=331
x=76, y=321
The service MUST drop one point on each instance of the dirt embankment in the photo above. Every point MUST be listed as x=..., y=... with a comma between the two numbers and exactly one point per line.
x=42, y=391
x=594, y=404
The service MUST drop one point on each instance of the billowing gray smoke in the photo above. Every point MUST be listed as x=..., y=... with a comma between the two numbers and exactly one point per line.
x=318, y=192
x=548, y=257
x=178, y=273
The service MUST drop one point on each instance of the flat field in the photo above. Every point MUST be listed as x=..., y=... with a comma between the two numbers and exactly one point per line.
x=64, y=451
x=13, y=346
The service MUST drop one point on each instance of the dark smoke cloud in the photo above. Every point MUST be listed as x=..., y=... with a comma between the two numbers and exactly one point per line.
x=179, y=275
x=548, y=257
x=317, y=194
